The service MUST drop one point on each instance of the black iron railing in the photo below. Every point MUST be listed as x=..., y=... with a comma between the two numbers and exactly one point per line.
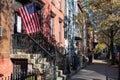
x=37, y=45
x=61, y=58
x=55, y=54
x=21, y=76
x=32, y=44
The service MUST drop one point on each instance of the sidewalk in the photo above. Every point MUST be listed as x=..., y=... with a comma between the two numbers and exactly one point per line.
x=99, y=70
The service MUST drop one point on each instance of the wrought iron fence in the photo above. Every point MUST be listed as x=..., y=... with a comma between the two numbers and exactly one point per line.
x=21, y=76
x=61, y=59
x=32, y=44
x=38, y=44
x=55, y=54
x=35, y=45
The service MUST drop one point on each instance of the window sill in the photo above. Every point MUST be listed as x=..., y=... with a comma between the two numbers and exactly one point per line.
x=53, y=3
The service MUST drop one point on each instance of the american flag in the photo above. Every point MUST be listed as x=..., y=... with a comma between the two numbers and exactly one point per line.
x=30, y=18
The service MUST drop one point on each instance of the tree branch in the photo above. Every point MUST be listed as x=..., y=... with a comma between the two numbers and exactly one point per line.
x=105, y=33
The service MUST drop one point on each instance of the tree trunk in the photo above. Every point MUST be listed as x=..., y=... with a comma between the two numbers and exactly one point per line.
x=111, y=47
x=108, y=54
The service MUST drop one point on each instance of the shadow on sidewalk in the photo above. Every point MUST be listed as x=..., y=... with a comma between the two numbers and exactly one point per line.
x=98, y=70
x=83, y=79
x=103, y=68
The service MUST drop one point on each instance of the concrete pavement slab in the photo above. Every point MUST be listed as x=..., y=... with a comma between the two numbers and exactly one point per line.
x=99, y=70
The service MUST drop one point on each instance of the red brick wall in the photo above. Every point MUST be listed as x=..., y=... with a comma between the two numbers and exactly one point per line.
x=59, y=14
x=5, y=22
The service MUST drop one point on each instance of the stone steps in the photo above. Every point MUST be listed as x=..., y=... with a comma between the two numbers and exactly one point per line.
x=41, y=65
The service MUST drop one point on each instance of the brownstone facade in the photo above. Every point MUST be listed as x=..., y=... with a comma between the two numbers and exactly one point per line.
x=5, y=23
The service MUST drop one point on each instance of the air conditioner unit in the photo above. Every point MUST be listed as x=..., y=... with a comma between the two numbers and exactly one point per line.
x=0, y=31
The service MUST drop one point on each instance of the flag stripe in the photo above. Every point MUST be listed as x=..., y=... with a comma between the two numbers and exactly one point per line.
x=30, y=21
x=33, y=20
x=36, y=22
x=25, y=19
x=20, y=11
x=39, y=27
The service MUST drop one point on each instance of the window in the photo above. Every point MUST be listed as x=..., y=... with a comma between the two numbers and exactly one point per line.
x=39, y=7
x=60, y=4
x=17, y=19
x=52, y=26
x=40, y=13
x=52, y=23
x=60, y=30
x=0, y=31
x=52, y=1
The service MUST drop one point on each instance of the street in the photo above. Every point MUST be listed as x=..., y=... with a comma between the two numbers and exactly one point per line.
x=99, y=70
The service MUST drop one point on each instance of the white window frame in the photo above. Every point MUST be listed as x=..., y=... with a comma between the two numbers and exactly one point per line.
x=52, y=1
x=0, y=30
x=60, y=4
x=60, y=31
x=52, y=26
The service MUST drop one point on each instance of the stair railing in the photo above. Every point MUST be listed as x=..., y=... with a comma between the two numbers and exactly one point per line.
x=30, y=44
